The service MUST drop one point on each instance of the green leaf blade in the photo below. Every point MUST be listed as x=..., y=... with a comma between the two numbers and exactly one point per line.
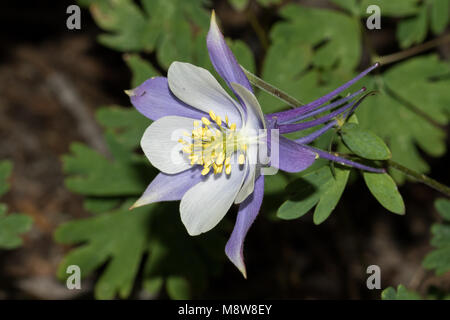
x=384, y=189
x=440, y=15
x=400, y=294
x=5, y=172
x=306, y=194
x=443, y=207
x=439, y=258
x=364, y=143
x=331, y=196
x=119, y=237
x=11, y=225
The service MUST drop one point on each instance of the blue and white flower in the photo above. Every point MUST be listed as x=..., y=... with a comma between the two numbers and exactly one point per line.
x=207, y=144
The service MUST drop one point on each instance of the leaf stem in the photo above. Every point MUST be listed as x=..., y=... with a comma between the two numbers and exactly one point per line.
x=421, y=178
x=270, y=89
x=391, y=58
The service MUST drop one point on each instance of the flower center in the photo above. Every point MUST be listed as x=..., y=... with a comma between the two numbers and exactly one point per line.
x=213, y=144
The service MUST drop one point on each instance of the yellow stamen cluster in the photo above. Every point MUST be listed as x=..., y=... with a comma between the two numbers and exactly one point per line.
x=213, y=144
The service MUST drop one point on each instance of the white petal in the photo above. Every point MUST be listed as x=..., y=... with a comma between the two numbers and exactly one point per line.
x=204, y=205
x=198, y=88
x=255, y=121
x=161, y=146
x=255, y=116
x=249, y=183
x=248, y=186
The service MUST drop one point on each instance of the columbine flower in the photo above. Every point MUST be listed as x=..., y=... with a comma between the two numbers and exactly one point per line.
x=206, y=144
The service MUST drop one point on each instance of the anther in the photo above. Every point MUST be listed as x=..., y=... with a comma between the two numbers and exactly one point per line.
x=212, y=115
x=205, y=171
x=241, y=158
x=220, y=158
x=187, y=149
x=206, y=121
x=212, y=146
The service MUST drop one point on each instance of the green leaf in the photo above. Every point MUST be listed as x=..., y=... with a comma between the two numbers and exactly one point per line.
x=178, y=288
x=351, y=6
x=400, y=294
x=11, y=226
x=331, y=195
x=364, y=143
x=266, y=3
x=176, y=42
x=427, y=88
x=329, y=40
x=441, y=235
x=280, y=71
x=305, y=193
x=339, y=32
x=243, y=55
x=126, y=125
x=5, y=172
x=200, y=56
x=127, y=26
x=239, y=5
x=389, y=8
x=176, y=25
x=92, y=174
x=153, y=285
x=100, y=205
x=440, y=15
x=413, y=30
x=439, y=258
x=171, y=27
x=384, y=189
x=120, y=238
x=275, y=183
x=140, y=68
x=418, y=82
x=443, y=207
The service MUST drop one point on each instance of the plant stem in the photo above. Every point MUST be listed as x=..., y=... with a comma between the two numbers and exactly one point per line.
x=420, y=177
x=409, y=172
x=270, y=89
x=412, y=51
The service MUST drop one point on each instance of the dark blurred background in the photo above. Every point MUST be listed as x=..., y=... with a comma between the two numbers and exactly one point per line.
x=285, y=259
